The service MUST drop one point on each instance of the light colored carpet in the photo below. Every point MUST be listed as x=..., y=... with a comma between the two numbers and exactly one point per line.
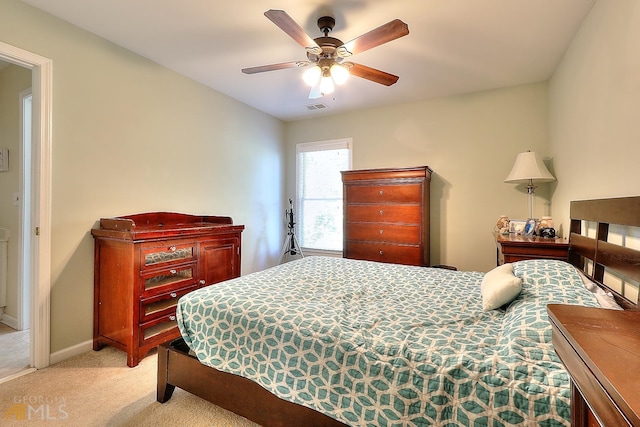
x=98, y=389
x=14, y=351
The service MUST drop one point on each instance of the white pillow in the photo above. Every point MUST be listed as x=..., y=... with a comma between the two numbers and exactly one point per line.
x=499, y=287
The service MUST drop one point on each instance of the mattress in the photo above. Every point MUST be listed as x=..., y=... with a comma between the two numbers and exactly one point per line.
x=373, y=344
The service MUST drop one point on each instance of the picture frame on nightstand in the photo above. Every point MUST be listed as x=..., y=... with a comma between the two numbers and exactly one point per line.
x=530, y=227
x=516, y=226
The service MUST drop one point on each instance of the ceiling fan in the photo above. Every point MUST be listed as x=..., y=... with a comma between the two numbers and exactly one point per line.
x=326, y=55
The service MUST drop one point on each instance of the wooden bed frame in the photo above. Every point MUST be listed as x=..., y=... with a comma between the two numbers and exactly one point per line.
x=599, y=251
x=177, y=368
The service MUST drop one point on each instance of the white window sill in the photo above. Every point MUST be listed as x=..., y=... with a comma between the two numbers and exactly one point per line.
x=321, y=252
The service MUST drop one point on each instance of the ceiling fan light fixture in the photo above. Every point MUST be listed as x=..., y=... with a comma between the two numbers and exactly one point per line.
x=339, y=73
x=312, y=75
x=326, y=85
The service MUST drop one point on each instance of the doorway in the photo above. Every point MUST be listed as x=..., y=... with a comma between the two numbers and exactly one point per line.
x=36, y=258
x=15, y=336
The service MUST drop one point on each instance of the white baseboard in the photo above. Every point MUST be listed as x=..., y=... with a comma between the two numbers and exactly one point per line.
x=17, y=375
x=10, y=321
x=68, y=352
x=61, y=355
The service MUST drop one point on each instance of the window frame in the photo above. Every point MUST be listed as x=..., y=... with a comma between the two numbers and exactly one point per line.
x=326, y=145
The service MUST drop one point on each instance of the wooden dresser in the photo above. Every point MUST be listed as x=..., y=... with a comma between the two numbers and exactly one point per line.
x=386, y=215
x=144, y=263
x=512, y=248
x=601, y=350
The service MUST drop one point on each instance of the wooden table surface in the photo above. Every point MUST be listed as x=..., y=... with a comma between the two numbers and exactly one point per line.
x=607, y=345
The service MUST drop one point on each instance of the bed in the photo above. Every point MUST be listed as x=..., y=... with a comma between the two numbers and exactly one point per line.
x=329, y=342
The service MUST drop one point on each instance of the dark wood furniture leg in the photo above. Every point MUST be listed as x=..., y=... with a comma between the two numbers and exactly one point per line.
x=165, y=390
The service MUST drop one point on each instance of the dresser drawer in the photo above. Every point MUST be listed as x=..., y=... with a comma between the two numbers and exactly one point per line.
x=405, y=193
x=161, y=329
x=398, y=254
x=383, y=232
x=406, y=214
x=156, y=254
x=168, y=279
x=162, y=305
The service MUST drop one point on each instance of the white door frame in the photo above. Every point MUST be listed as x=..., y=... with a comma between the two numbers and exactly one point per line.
x=40, y=262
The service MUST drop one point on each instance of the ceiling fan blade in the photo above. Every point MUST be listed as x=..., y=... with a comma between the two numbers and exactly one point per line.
x=289, y=26
x=273, y=67
x=373, y=74
x=385, y=33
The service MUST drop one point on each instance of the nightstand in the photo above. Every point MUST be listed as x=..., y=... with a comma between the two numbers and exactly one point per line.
x=601, y=351
x=512, y=248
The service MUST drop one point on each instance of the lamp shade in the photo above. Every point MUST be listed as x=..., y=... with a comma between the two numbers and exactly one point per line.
x=339, y=74
x=326, y=85
x=529, y=167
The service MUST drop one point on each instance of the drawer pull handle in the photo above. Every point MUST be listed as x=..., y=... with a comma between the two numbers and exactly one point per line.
x=381, y=212
x=172, y=248
x=173, y=295
x=202, y=281
x=172, y=271
x=172, y=318
x=381, y=192
x=380, y=252
x=380, y=231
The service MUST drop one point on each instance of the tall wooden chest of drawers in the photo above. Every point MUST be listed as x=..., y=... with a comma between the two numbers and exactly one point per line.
x=386, y=215
x=144, y=263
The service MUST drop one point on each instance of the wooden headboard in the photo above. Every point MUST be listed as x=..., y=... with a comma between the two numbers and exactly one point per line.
x=604, y=242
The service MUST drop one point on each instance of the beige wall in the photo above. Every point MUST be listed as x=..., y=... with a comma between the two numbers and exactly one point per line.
x=13, y=80
x=130, y=136
x=594, y=104
x=470, y=142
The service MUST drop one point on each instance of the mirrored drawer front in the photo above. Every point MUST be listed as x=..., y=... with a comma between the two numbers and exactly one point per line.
x=162, y=305
x=159, y=281
x=397, y=254
x=406, y=214
x=153, y=256
x=407, y=193
x=383, y=232
x=159, y=330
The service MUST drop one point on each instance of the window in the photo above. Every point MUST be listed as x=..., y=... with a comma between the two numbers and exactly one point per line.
x=319, y=192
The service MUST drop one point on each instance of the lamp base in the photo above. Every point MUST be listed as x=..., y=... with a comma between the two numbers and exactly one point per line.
x=530, y=191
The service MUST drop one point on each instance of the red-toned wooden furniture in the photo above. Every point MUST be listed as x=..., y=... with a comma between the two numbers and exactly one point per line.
x=512, y=248
x=601, y=351
x=386, y=215
x=144, y=263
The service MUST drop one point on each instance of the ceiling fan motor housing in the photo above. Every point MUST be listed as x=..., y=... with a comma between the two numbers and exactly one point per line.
x=326, y=24
x=326, y=43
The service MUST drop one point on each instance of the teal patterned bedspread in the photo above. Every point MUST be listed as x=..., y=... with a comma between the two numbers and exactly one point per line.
x=374, y=344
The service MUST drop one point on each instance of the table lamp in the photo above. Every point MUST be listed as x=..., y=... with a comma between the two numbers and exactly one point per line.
x=529, y=169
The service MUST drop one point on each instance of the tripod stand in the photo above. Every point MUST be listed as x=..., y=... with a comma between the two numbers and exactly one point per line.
x=291, y=245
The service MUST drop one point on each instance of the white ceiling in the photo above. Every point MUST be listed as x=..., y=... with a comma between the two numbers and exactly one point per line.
x=453, y=46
